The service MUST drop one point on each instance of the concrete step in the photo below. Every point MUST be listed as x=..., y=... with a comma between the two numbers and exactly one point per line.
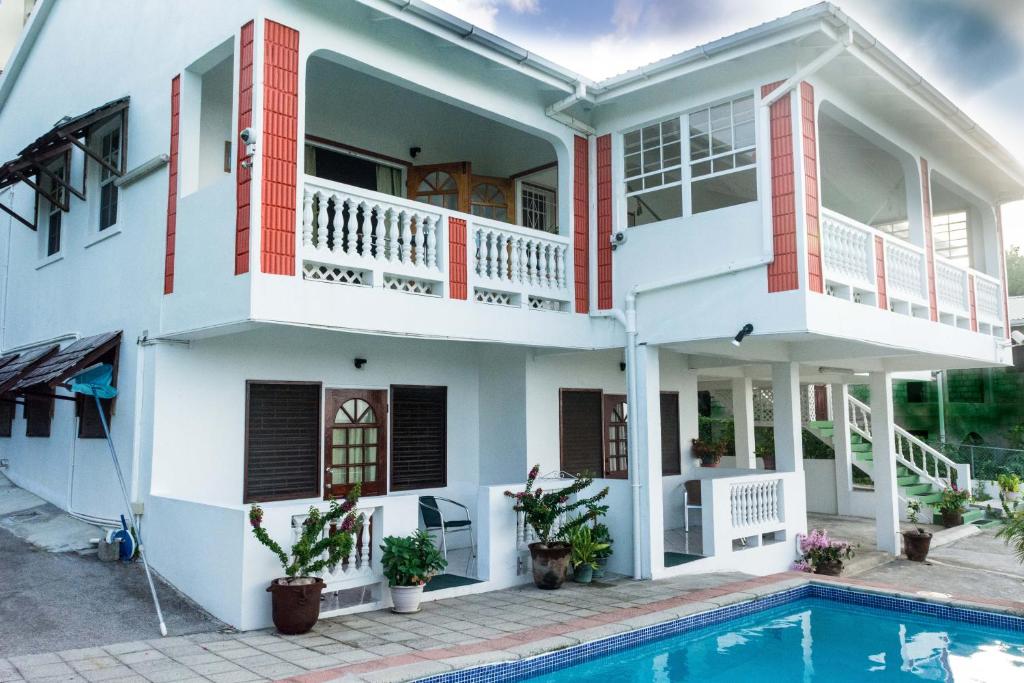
x=865, y=560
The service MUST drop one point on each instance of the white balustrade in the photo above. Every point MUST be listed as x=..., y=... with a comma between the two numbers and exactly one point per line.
x=905, y=274
x=741, y=511
x=848, y=251
x=951, y=287
x=754, y=504
x=988, y=299
x=518, y=261
x=358, y=567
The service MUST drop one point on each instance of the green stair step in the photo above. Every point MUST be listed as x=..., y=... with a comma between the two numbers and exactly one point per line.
x=856, y=438
x=864, y=456
x=918, y=489
x=930, y=498
x=907, y=479
x=825, y=431
x=860, y=447
x=820, y=424
x=902, y=471
x=973, y=516
x=987, y=523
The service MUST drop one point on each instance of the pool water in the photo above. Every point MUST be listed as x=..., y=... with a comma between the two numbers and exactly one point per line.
x=816, y=640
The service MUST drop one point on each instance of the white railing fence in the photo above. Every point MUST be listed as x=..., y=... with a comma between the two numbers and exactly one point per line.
x=358, y=568
x=754, y=503
x=848, y=255
x=742, y=511
x=988, y=302
x=518, y=266
x=951, y=292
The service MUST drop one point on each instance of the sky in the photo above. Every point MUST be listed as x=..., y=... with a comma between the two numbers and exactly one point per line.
x=971, y=50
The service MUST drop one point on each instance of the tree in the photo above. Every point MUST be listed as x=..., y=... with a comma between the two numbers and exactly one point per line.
x=1015, y=271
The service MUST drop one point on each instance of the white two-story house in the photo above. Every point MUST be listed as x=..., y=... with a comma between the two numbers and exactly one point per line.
x=327, y=243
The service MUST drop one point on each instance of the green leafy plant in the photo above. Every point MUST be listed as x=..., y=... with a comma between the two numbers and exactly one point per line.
x=1012, y=532
x=708, y=452
x=1008, y=483
x=600, y=534
x=543, y=510
x=326, y=538
x=979, y=492
x=954, y=500
x=411, y=560
x=913, y=512
x=585, y=548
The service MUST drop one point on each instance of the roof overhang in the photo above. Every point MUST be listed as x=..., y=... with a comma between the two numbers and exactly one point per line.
x=54, y=370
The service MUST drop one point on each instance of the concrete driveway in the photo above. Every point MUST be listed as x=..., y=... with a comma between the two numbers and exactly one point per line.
x=55, y=594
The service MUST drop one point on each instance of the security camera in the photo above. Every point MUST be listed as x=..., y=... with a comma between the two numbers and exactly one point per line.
x=618, y=238
x=248, y=135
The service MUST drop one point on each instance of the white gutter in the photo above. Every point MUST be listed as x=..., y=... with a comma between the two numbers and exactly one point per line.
x=556, y=111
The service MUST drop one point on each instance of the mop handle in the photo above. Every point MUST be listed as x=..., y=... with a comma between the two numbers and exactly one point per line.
x=131, y=515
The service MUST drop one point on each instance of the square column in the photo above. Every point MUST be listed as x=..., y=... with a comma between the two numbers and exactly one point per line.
x=883, y=438
x=648, y=465
x=743, y=422
x=841, y=445
x=789, y=449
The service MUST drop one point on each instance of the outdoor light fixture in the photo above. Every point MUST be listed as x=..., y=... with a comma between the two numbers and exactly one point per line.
x=414, y=152
x=1018, y=337
x=359, y=363
x=744, y=331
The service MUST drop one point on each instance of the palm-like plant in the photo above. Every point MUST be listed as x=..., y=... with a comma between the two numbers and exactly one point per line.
x=1013, y=531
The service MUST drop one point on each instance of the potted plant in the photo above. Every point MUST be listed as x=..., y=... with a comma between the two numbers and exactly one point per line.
x=952, y=505
x=542, y=512
x=408, y=563
x=917, y=541
x=1009, y=485
x=767, y=454
x=821, y=554
x=708, y=452
x=295, y=597
x=600, y=534
x=584, y=553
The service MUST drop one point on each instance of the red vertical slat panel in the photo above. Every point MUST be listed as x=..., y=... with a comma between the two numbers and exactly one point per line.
x=974, y=307
x=172, y=186
x=1002, y=270
x=581, y=222
x=815, y=280
x=783, y=271
x=457, y=257
x=243, y=176
x=280, y=148
x=883, y=297
x=604, y=222
x=929, y=246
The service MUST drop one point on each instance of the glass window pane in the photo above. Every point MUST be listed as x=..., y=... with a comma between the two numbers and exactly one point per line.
x=370, y=472
x=652, y=160
x=356, y=436
x=699, y=122
x=673, y=176
x=632, y=165
x=743, y=109
x=721, y=116
x=703, y=168
x=726, y=190
x=634, y=185
x=652, y=181
x=721, y=141
x=355, y=475
x=338, y=475
x=699, y=147
x=355, y=455
x=651, y=136
x=631, y=142
x=722, y=163
x=671, y=154
x=670, y=131
x=744, y=133
x=338, y=456
x=653, y=206
x=746, y=158
x=339, y=437
x=370, y=435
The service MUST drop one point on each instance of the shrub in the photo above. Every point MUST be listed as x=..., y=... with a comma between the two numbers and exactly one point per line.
x=543, y=510
x=411, y=560
x=817, y=549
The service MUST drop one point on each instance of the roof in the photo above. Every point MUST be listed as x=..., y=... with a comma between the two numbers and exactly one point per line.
x=71, y=360
x=12, y=371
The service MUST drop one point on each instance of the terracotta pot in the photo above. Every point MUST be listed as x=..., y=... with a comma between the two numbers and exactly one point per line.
x=709, y=462
x=296, y=606
x=769, y=461
x=406, y=599
x=550, y=564
x=829, y=568
x=583, y=574
x=951, y=519
x=916, y=545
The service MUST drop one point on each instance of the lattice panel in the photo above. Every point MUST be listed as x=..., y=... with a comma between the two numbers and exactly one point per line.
x=342, y=276
x=487, y=296
x=539, y=303
x=410, y=285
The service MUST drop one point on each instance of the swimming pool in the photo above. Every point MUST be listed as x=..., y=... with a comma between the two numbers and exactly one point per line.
x=811, y=633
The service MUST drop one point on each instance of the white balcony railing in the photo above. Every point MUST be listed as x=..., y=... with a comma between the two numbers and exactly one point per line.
x=360, y=237
x=855, y=267
x=742, y=511
x=359, y=568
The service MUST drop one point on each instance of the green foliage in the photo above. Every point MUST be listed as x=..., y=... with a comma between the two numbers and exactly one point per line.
x=954, y=500
x=913, y=510
x=1014, y=271
x=1013, y=531
x=708, y=452
x=1008, y=483
x=411, y=560
x=543, y=510
x=585, y=548
x=315, y=550
x=600, y=534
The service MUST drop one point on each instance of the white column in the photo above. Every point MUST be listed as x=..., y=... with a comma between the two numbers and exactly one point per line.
x=648, y=453
x=887, y=520
x=743, y=422
x=841, y=445
x=789, y=453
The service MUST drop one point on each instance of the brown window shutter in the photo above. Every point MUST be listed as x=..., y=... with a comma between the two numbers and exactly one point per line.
x=582, y=432
x=38, y=415
x=89, y=424
x=282, y=441
x=671, y=454
x=7, y=406
x=419, y=437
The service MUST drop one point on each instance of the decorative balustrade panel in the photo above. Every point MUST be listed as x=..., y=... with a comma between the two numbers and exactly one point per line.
x=753, y=504
x=357, y=567
x=905, y=272
x=988, y=299
x=507, y=258
x=848, y=252
x=364, y=226
x=951, y=287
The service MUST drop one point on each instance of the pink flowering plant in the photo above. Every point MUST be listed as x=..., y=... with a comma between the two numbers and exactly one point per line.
x=316, y=549
x=954, y=500
x=818, y=549
x=543, y=510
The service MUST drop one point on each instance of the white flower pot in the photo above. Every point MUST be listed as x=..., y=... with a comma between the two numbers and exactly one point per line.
x=406, y=599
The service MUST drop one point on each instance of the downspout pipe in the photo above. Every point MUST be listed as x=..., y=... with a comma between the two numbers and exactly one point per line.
x=556, y=111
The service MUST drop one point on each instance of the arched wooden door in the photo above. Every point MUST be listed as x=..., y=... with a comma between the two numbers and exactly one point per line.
x=355, y=442
x=616, y=443
x=443, y=185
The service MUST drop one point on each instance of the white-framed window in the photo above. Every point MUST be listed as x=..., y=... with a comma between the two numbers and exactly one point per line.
x=949, y=231
x=361, y=169
x=539, y=207
x=653, y=172
x=109, y=146
x=723, y=158
x=52, y=215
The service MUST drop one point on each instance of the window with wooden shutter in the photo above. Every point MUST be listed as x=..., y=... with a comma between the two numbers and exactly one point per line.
x=616, y=415
x=38, y=415
x=282, y=441
x=356, y=440
x=671, y=454
x=7, y=406
x=581, y=430
x=419, y=437
x=89, y=424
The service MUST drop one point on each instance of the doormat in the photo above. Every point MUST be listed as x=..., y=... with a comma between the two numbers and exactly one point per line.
x=676, y=559
x=442, y=581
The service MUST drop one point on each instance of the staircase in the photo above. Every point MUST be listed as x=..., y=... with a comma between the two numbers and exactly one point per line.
x=922, y=472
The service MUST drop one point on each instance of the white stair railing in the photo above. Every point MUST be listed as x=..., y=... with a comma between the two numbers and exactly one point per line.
x=930, y=464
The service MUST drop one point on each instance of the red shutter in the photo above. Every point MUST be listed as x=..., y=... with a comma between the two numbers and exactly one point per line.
x=783, y=271
x=172, y=187
x=604, y=222
x=581, y=222
x=279, y=148
x=883, y=298
x=929, y=247
x=815, y=280
x=243, y=176
x=457, y=287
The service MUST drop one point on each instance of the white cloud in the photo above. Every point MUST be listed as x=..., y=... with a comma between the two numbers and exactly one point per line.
x=484, y=13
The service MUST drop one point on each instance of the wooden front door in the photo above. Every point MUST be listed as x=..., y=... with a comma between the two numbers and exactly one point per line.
x=355, y=442
x=444, y=185
x=616, y=442
x=493, y=198
x=820, y=402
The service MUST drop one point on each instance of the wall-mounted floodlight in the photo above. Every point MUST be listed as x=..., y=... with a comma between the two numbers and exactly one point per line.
x=746, y=330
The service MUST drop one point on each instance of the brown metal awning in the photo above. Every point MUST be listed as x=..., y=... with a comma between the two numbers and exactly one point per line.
x=19, y=364
x=57, y=368
x=34, y=159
